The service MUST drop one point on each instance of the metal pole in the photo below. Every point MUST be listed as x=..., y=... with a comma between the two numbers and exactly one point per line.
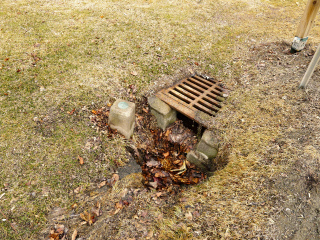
x=310, y=69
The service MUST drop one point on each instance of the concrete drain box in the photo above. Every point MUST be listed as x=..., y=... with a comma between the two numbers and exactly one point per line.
x=196, y=97
x=122, y=117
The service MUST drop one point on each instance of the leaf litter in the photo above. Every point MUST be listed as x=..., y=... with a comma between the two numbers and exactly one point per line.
x=161, y=154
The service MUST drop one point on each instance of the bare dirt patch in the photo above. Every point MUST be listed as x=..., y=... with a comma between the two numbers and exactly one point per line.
x=296, y=149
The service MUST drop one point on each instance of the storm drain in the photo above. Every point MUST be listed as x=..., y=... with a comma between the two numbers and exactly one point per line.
x=196, y=97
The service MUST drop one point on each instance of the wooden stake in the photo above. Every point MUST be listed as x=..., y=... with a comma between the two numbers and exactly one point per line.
x=310, y=69
x=305, y=25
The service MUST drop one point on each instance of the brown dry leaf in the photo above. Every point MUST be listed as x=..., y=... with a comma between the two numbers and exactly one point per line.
x=159, y=174
x=83, y=216
x=73, y=206
x=118, y=210
x=145, y=110
x=195, y=180
x=113, y=180
x=119, y=205
x=97, y=209
x=188, y=163
x=166, y=154
x=178, y=162
x=81, y=161
x=189, y=216
x=115, y=177
x=102, y=184
x=54, y=236
x=167, y=133
x=88, y=217
x=152, y=163
x=72, y=111
x=77, y=190
x=153, y=184
x=74, y=234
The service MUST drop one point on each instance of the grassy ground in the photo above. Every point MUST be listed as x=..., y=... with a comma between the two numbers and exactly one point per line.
x=61, y=59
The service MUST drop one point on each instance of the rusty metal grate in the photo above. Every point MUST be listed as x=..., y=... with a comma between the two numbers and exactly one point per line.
x=196, y=97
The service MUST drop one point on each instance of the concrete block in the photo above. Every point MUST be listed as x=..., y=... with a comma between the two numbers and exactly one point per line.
x=208, y=145
x=164, y=114
x=200, y=160
x=122, y=117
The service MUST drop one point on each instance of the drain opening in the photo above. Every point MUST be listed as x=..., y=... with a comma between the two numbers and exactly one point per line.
x=198, y=84
x=202, y=80
x=190, y=90
x=195, y=97
x=179, y=96
x=194, y=87
x=212, y=102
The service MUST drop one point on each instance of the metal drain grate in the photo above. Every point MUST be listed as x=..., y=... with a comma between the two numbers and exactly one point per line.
x=196, y=97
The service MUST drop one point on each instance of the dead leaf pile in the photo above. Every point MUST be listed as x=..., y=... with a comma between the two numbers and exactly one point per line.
x=164, y=158
x=100, y=120
x=58, y=232
x=162, y=155
x=91, y=216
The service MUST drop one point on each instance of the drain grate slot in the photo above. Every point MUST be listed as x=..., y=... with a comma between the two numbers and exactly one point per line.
x=198, y=84
x=208, y=106
x=216, y=92
x=184, y=92
x=194, y=95
x=202, y=109
x=193, y=86
x=188, y=89
x=215, y=98
x=203, y=81
x=179, y=96
x=212, y=102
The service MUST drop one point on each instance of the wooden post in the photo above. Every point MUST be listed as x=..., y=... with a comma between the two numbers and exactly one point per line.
x=310, y=70
x=305, y=25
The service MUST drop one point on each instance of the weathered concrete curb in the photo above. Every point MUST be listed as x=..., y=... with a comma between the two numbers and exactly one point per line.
x=122, y=117
x=199, y=159
x=206, y=150
x=208, y=145
x=164, y=114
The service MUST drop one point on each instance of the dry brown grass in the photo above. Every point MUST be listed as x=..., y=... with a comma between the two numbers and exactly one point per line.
x=57, y=56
